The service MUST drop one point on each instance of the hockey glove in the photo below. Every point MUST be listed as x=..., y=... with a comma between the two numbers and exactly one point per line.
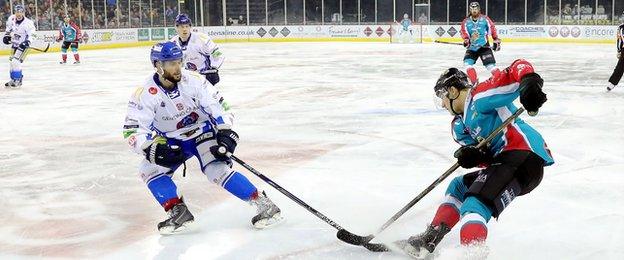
x=213, y=78
x=531, y=95
x=226, y=144
x=497, y=44
x=24, y=45
x=471, y=156
x=163, y=154
x=6, y=39
x=466, y=43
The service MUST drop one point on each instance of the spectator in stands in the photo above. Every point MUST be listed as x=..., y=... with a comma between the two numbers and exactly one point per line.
x=567, y=10
x=423, y=19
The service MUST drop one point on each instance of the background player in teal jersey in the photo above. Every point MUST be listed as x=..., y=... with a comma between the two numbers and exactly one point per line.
x=406, y=27
x=70, y=34
x=475, y=30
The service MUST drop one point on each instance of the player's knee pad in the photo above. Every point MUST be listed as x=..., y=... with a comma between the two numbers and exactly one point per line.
x=74, y=49
x=149, y=171
x=63, y=50
x=474, y=204
x=457, y=188
x=15, y=65
x=18, y=57
x=218, y=172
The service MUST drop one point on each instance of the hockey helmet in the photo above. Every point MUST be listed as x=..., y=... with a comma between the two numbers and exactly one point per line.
x=452, y=77
x=19, y=8
x=475, y=5
x=165, y=51
x=182, y=19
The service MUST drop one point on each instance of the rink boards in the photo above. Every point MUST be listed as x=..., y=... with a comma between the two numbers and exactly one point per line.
x=118, y=38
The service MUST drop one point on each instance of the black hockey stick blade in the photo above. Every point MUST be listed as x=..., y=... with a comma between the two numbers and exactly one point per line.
x=40, y=50
x=451, y=43
x=374, y=247
x=353, y=239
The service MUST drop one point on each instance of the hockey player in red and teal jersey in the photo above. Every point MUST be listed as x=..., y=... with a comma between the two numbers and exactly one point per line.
x=70, y=35
x=475, y=30
x=514, y=159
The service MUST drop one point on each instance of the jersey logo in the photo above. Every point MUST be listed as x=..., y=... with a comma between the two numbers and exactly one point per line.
x=173, y=93
x=153, y=90
x=188, y=120
x=191, y=66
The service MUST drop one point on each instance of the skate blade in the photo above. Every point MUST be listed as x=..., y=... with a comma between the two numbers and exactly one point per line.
x=416, y=253
x=184, y=228
x=269, y=222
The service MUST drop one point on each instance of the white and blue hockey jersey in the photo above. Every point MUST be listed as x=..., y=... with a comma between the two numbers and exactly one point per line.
x=201, y=54
x=188, y=110
x=20, y=31
x=488, y=105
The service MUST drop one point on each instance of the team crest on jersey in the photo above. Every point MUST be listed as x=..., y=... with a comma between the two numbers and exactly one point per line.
x=173, y=93
x=188, y=120
x=180, y=106
x=191, y=66
x=153, y=90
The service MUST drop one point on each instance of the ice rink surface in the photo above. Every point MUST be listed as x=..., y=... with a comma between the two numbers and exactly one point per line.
x=350, y=128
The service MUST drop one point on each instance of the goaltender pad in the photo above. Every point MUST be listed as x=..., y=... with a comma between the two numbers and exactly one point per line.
x=413, y=34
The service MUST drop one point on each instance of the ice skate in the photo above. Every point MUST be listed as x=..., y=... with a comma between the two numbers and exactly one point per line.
x=13, y=83
x=268, y=214
x=422, y=245
x=180, y=220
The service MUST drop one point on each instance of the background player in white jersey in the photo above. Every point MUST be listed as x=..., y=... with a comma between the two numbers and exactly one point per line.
x=19, y=32
x=177, y=115
x=201, y=54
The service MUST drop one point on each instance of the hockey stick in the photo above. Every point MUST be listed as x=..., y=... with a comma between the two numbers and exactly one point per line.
x=354, y=239
x=40, y=50
x=451, y=43
x=289, y=195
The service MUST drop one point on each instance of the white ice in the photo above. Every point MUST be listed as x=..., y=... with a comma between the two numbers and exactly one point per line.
x=350, y=128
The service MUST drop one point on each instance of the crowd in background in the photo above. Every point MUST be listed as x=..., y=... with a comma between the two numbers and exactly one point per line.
x=48, y=15
x=99, y=14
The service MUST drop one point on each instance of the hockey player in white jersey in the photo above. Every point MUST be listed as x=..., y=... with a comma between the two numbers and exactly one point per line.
x=177, y=115
x=201, y=54
x=19, y=32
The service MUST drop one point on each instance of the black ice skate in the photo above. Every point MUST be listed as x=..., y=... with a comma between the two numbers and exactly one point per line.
x=268, y=213
x=63, y=62
x=180, y=220
x=76, y=62
x=420, y=246
x=13, y=83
